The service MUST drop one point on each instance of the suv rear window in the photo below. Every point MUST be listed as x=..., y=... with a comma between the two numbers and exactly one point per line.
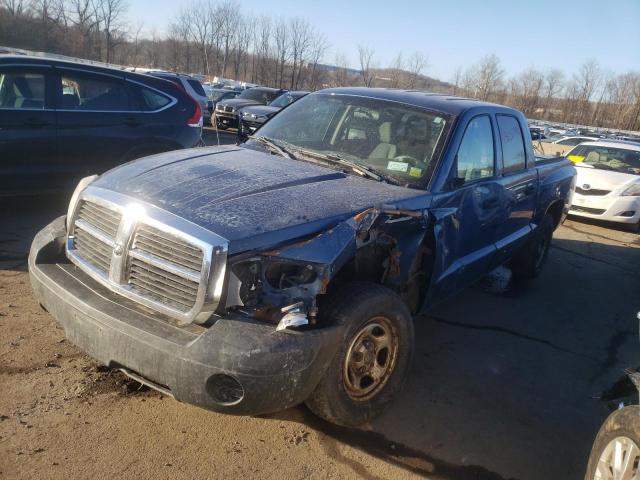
x=93, y=93
x=197, y=87
x=152, y=100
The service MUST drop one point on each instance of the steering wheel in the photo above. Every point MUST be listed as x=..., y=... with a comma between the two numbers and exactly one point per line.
x=407, y=159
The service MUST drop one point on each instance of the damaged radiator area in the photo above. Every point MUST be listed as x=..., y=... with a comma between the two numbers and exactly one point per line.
x=284, y=286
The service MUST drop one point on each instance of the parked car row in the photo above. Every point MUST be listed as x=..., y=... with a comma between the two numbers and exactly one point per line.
x=61, y=120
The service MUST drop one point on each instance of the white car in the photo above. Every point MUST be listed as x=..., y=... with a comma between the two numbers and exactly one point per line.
x=608, y=181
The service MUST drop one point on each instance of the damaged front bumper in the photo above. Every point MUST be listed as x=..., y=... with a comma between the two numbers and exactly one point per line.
x=236, y=366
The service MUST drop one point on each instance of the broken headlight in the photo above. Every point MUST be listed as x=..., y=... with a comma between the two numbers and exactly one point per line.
x=270, y=288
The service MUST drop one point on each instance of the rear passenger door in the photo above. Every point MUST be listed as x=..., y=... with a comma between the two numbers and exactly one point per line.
x=28, y=157
x=97, y=121
x=520, y=182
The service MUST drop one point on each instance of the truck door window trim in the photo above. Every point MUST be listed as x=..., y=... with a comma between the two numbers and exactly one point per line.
x=454, y=171
x=526, y=159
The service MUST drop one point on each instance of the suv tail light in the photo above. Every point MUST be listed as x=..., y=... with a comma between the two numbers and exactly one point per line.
x=195, y=120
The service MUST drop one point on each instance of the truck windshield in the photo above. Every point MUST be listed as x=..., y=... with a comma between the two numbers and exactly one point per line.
x=621, y=160
x=398, y=141
x=262, y=96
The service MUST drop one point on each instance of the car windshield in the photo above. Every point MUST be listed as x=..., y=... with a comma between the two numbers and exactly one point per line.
x=216, y=95
x=398, y=142
x=262, y=96
x=283, y=100
x=621, y=160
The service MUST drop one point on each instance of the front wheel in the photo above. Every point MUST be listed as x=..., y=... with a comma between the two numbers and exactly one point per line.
x=373, y=359
x=615, y=454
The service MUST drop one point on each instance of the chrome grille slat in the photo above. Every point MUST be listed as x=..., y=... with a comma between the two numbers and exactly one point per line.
x=144, y=274
x=160, y=274
x=161, y=285
x=100, y=217
x=93, y=250
x=162, y=245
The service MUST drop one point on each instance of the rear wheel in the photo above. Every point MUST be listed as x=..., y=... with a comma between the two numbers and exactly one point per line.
x=529, y=262
x=615, y=454
x=374, y=357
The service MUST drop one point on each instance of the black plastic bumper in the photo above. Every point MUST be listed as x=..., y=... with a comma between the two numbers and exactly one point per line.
x=276, y=370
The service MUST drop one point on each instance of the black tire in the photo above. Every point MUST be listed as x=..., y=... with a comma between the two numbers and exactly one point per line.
x=621, y=423
x=360, y=306
x=529, y=261
x=220, y=126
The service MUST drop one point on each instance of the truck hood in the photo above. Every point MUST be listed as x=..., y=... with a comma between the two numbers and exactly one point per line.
x=253, y=199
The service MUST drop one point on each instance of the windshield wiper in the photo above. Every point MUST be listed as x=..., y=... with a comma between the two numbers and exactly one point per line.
x=273, y=146
x=334, y=159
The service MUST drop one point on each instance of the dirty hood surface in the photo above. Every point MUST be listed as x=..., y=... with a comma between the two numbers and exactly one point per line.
x=251, y=198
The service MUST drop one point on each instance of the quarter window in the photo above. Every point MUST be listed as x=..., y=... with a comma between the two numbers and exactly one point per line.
x=513, y=155
x=476, y=153
x=21, y=90
x=153, y=100
x=93, y=93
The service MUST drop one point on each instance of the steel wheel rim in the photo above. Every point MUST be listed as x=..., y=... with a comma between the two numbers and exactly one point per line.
x=370, y=359
x=619, y=461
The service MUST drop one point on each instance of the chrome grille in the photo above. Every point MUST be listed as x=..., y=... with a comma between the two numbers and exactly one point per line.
x=94, y=251
x=168, y=248
x=100, y=217
x=94, y=234
x=165, y=268
x=162, y=286
x=147, y=254
x=592, y=191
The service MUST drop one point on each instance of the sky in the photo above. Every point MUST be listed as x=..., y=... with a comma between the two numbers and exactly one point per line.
x=539, y=33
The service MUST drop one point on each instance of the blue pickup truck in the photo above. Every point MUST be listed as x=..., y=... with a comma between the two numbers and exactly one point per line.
x=247, y=279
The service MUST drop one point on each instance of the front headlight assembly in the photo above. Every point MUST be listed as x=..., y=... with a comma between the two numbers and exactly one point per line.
x=632, y=191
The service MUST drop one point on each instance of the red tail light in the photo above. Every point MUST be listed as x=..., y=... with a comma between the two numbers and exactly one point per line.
x=195, y=120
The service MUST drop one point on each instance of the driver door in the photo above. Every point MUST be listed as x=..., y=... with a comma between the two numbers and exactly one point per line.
x=469, y=213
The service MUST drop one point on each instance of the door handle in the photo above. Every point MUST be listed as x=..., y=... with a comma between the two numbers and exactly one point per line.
x=36, y=123
x=132, y=122
x=529, y=189
x=489, y=203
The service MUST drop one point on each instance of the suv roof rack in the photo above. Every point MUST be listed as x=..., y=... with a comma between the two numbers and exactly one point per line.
x=55, y=56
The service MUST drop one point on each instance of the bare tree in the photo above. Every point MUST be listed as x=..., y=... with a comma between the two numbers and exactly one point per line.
x=417, y=63
x=365, y=55
x=489, y=76
x=112, y=20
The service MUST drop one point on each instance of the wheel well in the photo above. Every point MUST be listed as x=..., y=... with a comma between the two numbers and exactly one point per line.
x=555, y=210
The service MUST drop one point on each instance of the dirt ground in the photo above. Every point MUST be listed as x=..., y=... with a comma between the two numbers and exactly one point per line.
x=502, y=386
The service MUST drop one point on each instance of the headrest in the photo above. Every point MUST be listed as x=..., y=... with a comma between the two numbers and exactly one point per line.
x=385, y=132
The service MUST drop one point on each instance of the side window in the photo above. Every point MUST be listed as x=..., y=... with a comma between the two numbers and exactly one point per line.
x=21, y=90
x=93, y=93
x=152, y=100
x=197, y=87
x=513, y=153
x=476, y=154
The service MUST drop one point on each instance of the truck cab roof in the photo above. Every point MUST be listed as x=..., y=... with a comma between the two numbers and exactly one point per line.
x=450, y=104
